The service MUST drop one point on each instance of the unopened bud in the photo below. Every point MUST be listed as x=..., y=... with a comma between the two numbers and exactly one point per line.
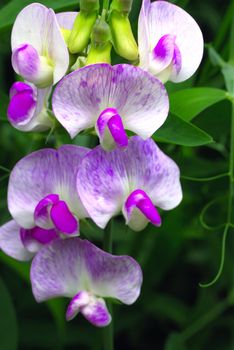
x=122, y=36
x=100, y=49
x=122, y=5
x=89, y=5
x=99, y=54
x=81, y=31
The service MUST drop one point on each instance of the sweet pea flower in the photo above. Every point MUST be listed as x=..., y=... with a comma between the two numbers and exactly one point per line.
x=39, y=52
x=133, y=181
x=77, y=269
x=43, y=201
x=170, y=41
x=27, y=110
x=111, y=99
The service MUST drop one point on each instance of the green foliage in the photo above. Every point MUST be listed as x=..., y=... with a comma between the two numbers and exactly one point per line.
x=8, y=323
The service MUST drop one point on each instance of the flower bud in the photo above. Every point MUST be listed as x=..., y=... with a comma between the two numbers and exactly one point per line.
x=122, y=36
x=99, y=54
x=121, y=5
x=100, y=49
x=89, y=5
x=81, y=31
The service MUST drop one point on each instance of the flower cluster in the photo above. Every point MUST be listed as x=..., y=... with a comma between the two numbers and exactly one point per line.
x=50, y=191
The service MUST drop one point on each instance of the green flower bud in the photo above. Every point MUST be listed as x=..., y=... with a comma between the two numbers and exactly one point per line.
x=81, y=31
x=100, y=49
x=89, y=5
x=99, y=53
x=123, y=39
x=121, y=5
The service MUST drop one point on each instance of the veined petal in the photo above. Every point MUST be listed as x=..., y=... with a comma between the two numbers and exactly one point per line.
x=11, y=244
x=93, y=309
x=139, y=210
x=106, y=179
x=42, y=173
x=37, y=26
x=67, y=267
x=33, y=239
x=163, y=18
x=140, y=99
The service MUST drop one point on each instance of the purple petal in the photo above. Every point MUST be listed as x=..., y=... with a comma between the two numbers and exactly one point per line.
x=19, y=86
x=139, y=201
x=162, y=18
x=40, y=174
x=10, y=242
x=36, y=237
x=106, y=179
x=93, y=309
x=67, y=267
x=63, y=219
x=27, y=107
x=140, y=99
x=26, y=61
x=21, y=107
x=42, y=211
x=96, y=312
x=164, y=51
x=110, y=129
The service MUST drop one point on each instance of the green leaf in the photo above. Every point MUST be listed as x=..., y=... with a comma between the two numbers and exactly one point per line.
x=188, y=103
x=8, y=322
x=177, y=131
x=174, y=342
x=9, y=12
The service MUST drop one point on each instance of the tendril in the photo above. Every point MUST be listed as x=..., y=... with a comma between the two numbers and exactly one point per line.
x=203, y=179
x=222, y=259
x=204, y=211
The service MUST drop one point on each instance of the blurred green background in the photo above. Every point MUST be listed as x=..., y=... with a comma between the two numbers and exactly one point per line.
x=173, y=312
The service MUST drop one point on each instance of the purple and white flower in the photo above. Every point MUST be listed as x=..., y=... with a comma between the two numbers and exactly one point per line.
x=170, y=41
x=43, y=201
x=133, y=181
x=77, y=269
x=27, y=110
x=111, y=99
x=39, y=52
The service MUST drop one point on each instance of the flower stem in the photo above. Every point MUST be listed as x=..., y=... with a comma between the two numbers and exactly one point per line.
x=206, y=319
x=108, y=334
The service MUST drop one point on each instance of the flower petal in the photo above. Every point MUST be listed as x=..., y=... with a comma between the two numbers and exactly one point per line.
x=162, y=18
x=94, y=309
x=106, y=179
x=140, y=99
x=11, y=243
x=42, y=173
x=67, y=267
x=27, y=110
x=66, y=19
x=37, y=26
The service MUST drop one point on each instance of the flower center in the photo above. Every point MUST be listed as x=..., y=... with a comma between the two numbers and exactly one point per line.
x=51, y=212
x=110, y=129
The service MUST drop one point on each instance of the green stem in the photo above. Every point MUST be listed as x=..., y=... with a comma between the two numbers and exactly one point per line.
x=108, y=334
x=204, y=320
x=105, y=5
